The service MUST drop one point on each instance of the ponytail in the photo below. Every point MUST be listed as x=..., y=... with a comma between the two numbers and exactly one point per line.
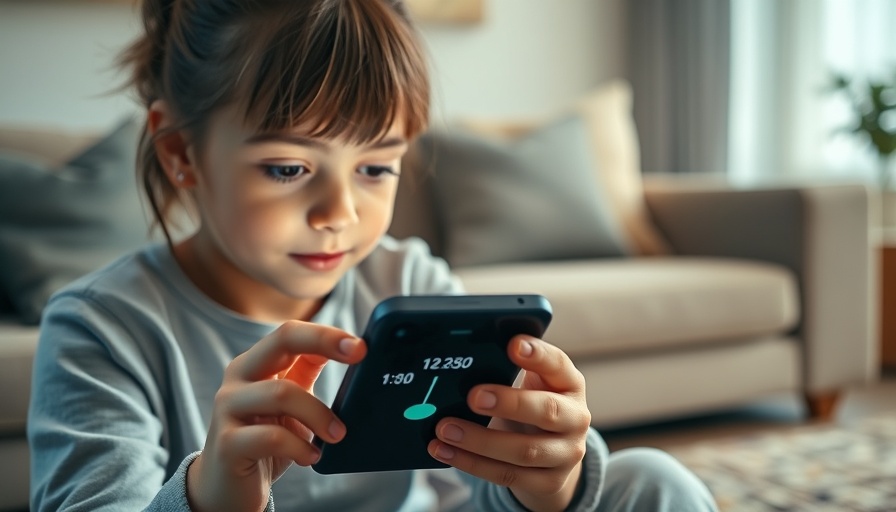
x=146, y=56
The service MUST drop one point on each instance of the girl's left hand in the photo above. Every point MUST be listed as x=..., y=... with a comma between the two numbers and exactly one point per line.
x=535, y=442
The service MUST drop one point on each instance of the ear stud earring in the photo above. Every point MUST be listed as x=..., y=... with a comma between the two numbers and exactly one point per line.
x=180, y=177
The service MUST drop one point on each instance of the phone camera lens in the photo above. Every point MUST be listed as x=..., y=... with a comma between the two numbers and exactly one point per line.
x=404, y=331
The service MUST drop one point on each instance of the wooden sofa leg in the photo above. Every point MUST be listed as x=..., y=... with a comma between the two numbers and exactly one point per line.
x=822, y=406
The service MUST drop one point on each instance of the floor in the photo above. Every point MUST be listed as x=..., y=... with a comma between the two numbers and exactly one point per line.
x=775, y=413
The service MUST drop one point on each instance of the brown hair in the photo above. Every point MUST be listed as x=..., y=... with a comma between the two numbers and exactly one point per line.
x=345, y=67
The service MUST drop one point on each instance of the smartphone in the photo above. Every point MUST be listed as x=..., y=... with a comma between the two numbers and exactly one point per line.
x=424, y=355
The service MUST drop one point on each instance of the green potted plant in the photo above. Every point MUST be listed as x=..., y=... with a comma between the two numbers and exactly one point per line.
x=873, y=106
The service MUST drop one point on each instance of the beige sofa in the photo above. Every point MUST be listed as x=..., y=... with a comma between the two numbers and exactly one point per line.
x=764, y=290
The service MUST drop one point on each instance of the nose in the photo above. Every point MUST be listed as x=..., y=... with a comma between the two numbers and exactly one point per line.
x=335, y=207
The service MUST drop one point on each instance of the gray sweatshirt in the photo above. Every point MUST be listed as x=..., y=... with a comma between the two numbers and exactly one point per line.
x=130, y=359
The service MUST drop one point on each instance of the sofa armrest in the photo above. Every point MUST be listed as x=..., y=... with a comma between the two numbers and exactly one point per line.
x=820, y=232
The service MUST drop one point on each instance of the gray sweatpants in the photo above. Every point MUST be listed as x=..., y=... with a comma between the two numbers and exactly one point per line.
x=647, y=480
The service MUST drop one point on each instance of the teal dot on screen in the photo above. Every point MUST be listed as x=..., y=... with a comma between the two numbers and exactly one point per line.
x=419, y=411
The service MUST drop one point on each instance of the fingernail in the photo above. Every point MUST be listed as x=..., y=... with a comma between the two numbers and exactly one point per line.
x=337, y=430
x=315, y=456
x=526, y=348
x=452, y=432
x=444, y=452
x=347, y=345
x=486, y=400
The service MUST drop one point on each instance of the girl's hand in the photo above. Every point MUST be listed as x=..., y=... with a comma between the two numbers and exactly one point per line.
x=265, y=414
x=536, y=440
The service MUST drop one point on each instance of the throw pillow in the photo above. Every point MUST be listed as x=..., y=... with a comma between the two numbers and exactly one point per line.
x=530, y=199
x=57, y=224
x=607, y=111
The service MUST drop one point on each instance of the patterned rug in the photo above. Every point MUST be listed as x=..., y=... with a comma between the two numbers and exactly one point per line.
x=812, y=468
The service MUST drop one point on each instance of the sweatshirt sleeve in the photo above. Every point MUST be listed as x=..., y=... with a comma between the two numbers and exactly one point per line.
x=173, y=496
x=95, y=440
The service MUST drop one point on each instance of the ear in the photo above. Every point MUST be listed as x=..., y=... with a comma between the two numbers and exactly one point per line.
x=172, y=147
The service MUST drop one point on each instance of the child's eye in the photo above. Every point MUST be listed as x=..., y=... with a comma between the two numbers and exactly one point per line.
x=376, y=171
x=284, y=173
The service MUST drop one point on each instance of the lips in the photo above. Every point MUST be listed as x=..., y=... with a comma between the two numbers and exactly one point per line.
x=321, y=261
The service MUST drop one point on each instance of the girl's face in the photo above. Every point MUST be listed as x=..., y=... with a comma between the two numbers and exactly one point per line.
x=285, y=216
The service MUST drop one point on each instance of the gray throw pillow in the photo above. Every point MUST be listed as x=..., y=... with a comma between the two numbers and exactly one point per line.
x=58, y=224
x=533, y=198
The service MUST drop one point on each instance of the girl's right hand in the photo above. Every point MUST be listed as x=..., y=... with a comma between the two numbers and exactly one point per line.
x=265, y=415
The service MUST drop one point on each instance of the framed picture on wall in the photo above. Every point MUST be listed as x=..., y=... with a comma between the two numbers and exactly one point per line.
x=424, y=11
x=446, y=11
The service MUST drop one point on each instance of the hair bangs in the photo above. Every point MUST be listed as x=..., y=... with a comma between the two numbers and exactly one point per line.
x=353, y=73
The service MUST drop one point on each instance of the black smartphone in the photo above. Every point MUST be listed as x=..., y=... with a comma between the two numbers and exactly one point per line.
x=424, y=355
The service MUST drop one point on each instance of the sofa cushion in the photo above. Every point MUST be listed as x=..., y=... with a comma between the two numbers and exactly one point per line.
x=531, y=199
x=49, y=146
x=613, y=139
x=604, y=308
x=16, y=354
x=57, y=224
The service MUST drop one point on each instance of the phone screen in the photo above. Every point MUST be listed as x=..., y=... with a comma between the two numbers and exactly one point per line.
x=421, y=364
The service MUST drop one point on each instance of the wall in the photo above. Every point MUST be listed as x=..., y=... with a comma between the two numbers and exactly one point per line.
x=56, y=62
x=526, y=58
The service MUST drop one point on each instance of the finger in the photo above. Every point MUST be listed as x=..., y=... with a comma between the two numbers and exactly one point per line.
x=550, y=363
x=549, y=411
x=297, y=428
x=525, y=450
x=256, y=442
x=278, y=350
x=536, y=480
x=306, y=369
x=281, y=397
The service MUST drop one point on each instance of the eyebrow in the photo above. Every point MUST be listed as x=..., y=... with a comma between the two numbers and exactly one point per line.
x=298, y=140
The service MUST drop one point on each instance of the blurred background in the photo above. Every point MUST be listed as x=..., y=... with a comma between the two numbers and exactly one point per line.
x=739, y=82
x=752, y=311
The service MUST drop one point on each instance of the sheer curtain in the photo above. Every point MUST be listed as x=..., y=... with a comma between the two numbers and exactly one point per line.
x=678, y=59
x=781, y=123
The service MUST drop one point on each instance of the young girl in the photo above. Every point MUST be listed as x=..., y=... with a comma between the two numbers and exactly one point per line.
x=192, y=375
